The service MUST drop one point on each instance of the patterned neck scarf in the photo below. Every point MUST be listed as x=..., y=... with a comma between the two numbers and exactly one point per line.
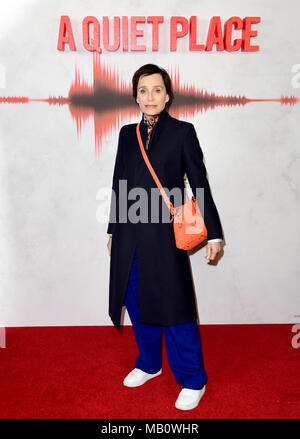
x=150, y=122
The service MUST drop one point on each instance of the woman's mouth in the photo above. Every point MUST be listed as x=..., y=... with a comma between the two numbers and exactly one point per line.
x=150, y=106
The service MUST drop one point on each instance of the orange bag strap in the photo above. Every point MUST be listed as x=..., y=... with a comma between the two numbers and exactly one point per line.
x=165, y=197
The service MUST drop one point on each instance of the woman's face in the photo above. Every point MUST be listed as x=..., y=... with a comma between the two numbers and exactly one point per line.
x=151, y=94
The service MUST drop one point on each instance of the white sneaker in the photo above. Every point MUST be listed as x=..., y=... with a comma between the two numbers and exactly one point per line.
x=189, y=398
x=137, y=377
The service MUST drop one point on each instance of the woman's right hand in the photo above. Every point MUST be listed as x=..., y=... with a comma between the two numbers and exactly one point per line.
x=109, y=244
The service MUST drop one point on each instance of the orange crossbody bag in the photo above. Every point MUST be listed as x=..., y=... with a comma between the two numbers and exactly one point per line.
x=189, y=226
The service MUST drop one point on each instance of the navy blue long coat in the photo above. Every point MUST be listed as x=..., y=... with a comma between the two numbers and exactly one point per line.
x=165, y=282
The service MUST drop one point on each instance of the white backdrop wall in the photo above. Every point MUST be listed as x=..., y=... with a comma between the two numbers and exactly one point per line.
x=54, y=263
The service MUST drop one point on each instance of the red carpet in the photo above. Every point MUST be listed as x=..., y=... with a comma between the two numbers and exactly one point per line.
x=77, y=372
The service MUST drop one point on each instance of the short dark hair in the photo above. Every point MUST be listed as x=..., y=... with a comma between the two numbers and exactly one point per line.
x=150, y=69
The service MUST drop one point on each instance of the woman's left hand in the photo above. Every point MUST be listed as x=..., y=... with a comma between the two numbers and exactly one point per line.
x=212, y=249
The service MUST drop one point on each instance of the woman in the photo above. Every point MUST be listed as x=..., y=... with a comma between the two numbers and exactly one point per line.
x=148, y=273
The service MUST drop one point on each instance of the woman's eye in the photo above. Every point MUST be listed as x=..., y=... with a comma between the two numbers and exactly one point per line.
x=142, y=91
x=158, y=90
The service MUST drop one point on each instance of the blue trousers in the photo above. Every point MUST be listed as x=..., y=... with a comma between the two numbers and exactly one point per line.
x=183, y=343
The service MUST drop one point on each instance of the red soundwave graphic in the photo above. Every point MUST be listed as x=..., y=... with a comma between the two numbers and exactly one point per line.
x=109, y=102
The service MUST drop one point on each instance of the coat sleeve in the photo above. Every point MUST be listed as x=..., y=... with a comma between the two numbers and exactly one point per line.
x=117, y=175
x=196, y=174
